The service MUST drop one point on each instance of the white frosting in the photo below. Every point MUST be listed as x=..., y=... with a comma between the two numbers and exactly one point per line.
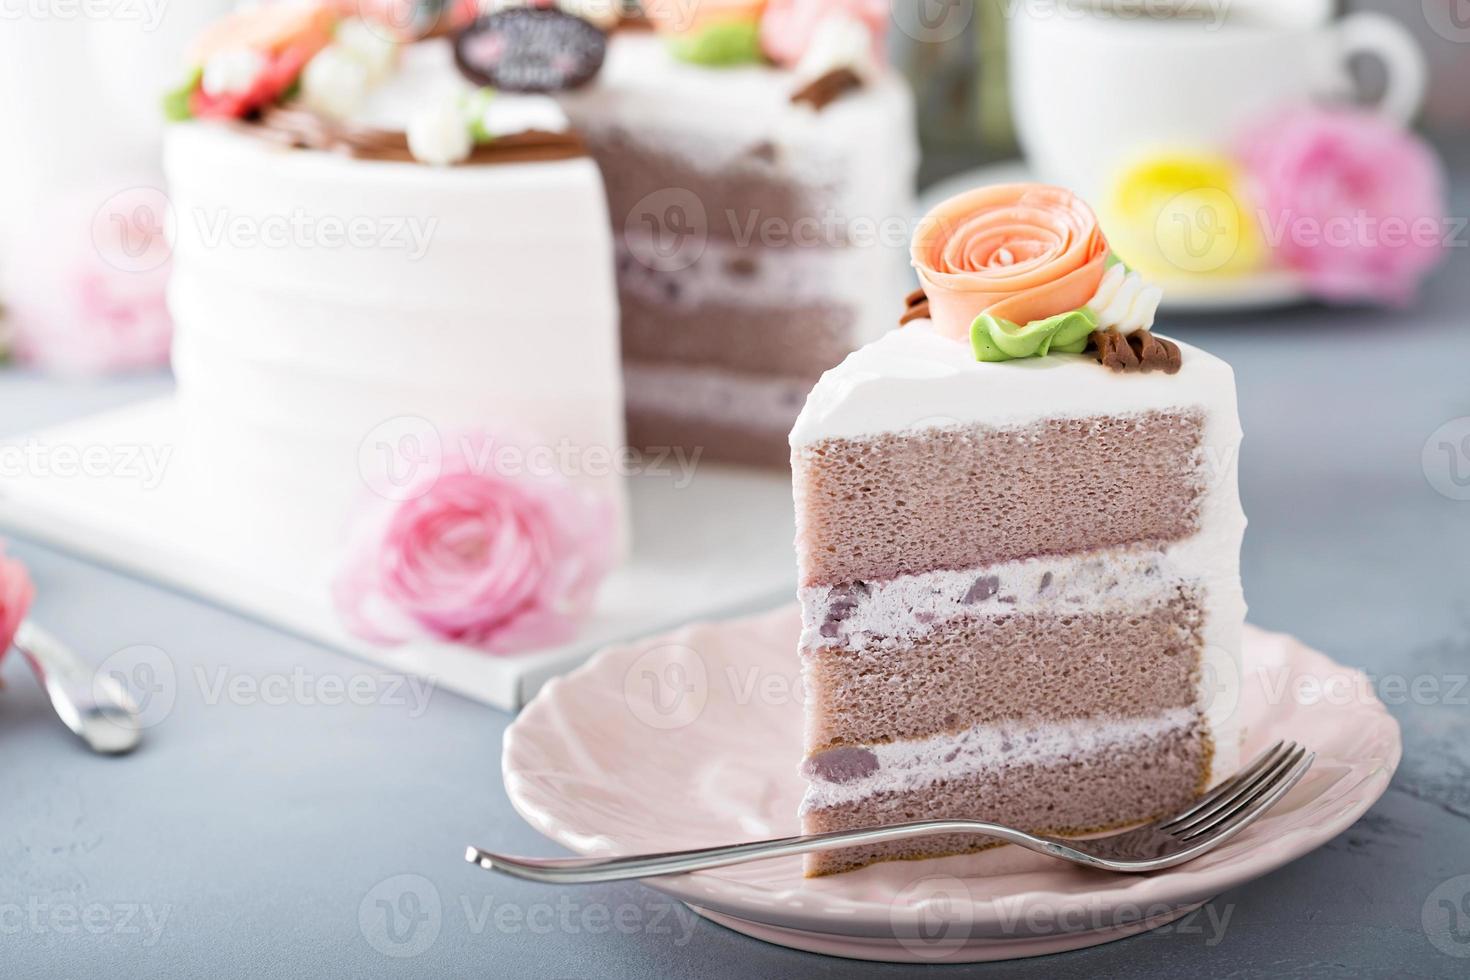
x=427, y=80
x=317, y=297
x=863, y=144
x=840, y=41
x=754, y=401
x=1125, y=302
x=523, y=114
x=913, y=379
x=909, y=766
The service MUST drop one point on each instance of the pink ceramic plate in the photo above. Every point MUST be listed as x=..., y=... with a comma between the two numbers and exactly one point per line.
x=693, y=738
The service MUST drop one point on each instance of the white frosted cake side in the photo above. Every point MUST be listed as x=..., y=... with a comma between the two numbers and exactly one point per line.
x=325, y=304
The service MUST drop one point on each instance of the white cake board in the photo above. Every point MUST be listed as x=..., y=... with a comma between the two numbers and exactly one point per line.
x=721, y=545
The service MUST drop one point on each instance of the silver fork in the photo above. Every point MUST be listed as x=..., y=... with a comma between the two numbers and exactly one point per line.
x=1221, y=814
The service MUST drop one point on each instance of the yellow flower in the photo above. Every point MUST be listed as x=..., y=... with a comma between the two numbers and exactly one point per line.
x=1180, y=215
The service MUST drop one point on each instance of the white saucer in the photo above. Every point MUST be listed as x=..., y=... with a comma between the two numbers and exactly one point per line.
x=693, y=738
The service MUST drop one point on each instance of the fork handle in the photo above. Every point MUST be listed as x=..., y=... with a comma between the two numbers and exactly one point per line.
x=587, y=871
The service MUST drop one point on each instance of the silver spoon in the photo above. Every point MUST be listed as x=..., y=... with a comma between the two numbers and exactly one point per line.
x=1168, y=841
x=93, y=705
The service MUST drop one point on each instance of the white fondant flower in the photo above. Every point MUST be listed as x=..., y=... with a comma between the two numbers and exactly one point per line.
x=232, y=72
x=377, y=52
x=1124, y=302
x=335, y=83
x=840, y=41
x=439, y=134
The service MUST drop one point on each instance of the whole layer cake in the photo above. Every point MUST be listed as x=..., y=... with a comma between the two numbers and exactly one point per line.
x=348, y=303
x=760, y=238
x=1019, y=570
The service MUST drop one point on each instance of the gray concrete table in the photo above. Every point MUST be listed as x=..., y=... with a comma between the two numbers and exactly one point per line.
x=276, y=812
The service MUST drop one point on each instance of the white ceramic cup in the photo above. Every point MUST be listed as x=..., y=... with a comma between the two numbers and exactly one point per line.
x=1093, y=88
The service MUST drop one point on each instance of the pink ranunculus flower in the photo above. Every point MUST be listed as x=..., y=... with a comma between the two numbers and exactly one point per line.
x=788, y=27
x=502, y=561
x=84, y=291
x=1352, y=201
x=16, y=593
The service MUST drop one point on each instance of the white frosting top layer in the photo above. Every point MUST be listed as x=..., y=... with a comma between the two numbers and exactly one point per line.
x=862, y=147
x=426, y=75
x=914, y=378
x=641, y=80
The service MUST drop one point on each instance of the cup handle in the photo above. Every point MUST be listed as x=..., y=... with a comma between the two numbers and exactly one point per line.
x=1406, y=68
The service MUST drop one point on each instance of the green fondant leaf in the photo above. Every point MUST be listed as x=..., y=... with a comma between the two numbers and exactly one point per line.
x=176, y=100
x=1000, y=340
x=720, y=45
x=476, y=104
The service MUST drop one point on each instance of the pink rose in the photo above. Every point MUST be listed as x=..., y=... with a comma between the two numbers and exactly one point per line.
x=1352, y=201
x=788, y=27
x=502, y=562
x=84, y=291
x=16, y=593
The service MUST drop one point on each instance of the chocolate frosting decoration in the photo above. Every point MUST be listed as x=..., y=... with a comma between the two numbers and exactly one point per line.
x=633, y=22
x=303, y=129
x=1141, y=351
x=916, y=307
x=828, y=88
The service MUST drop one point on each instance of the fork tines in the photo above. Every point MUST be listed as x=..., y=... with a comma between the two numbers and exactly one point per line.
x=1241, y=795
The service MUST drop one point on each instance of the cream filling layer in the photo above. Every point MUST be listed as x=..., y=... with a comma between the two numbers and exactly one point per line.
x=900, y=610
x=719, y=271
x=760, y=402
x=909, y=766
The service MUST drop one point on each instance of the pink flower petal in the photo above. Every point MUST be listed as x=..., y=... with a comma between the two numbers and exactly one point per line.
x=502, y=563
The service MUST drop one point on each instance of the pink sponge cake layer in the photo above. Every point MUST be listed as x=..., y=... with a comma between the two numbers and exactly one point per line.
x=1020, y=590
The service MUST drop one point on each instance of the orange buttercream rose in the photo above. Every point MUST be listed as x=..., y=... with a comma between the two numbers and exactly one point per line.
x=1019, y=252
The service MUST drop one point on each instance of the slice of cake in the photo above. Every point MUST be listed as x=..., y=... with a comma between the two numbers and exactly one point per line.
x=1019, y=567
x=760, y=207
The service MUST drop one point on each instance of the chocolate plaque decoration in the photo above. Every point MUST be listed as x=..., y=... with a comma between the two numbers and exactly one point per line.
x=530, y=49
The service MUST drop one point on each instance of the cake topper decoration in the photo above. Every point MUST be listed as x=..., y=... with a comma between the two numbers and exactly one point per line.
x=299, y=75
x=1023, y=270
x=249, y=60
x=530, y=49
